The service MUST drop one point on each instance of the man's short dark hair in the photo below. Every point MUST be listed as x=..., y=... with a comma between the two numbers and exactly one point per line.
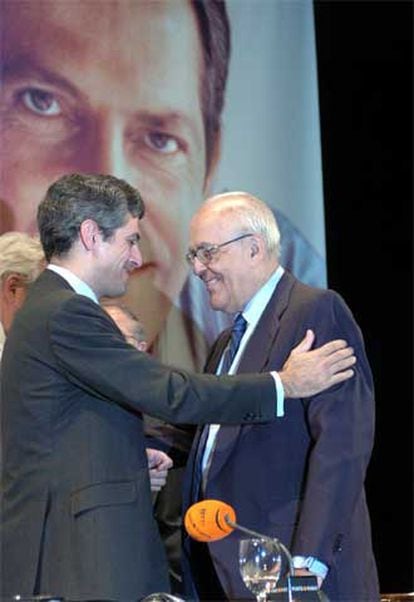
x=214, y=30
x=75, y=198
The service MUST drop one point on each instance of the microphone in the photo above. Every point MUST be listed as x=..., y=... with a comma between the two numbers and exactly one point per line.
x=211, y=520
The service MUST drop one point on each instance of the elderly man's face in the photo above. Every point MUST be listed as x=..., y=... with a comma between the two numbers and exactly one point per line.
x=107, y=87
x=229, y=275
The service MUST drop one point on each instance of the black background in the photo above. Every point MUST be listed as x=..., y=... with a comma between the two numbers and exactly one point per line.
x=365, y=85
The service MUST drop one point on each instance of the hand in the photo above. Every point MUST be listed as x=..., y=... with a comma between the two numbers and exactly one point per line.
x=159, y=463
x=307, y=372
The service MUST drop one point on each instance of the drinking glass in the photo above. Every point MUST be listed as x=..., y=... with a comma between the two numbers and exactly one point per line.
x=260, y=562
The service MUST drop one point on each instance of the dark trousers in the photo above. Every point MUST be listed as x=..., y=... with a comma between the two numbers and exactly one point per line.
x=203, y=573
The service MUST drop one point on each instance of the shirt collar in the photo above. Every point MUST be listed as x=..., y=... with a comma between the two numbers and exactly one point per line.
x=255, y=307
x=78, y=285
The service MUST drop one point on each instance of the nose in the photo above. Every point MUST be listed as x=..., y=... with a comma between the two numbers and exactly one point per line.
x=104, y=149
x=198, y=267
x=135, y=257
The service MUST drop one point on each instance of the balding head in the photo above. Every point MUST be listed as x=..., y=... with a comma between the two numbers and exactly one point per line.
x=248, y=212
x=234, y=248
x=128, y=323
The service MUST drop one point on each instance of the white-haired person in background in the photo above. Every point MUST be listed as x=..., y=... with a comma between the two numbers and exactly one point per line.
x=21, y=261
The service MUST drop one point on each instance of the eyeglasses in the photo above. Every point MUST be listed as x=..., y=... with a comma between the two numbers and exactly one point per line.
x=205, y=253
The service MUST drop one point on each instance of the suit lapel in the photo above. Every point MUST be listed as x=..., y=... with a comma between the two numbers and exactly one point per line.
x=258, y=350
x=255, y=358
x=216, y=352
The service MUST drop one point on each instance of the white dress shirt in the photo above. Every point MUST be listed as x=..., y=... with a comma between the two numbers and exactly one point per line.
x=78, y=285
x=252, y=314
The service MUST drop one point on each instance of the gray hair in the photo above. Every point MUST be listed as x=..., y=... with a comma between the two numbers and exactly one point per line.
x=21, y=254
x=74, y=198
x=252, y=214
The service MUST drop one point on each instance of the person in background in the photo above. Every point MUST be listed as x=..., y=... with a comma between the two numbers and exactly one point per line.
x=131, y=327
x=77, y=517
x=300, y=479
x=159, y=463
x=21, y=261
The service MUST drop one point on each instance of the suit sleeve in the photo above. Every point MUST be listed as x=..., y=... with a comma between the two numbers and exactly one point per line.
x=93, y=354
x=341, y=424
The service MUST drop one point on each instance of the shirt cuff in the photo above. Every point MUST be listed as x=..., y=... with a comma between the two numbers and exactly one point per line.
x=311, y=564
x=280, y=395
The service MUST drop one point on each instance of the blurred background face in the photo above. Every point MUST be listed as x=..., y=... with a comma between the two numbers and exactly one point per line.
x=107, y=87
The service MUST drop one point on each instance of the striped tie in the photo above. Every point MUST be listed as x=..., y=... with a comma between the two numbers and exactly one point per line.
x=238, y=330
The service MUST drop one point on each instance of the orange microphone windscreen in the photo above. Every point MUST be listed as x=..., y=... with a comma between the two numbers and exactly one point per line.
x=205, y=520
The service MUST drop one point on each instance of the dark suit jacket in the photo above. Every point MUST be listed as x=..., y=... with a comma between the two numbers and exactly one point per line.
x=300, y=478
x=76, y=503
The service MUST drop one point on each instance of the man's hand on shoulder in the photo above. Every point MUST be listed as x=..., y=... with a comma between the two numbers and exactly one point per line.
x=309, y=371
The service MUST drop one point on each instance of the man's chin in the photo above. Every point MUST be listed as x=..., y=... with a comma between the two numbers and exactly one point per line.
x=215, y=303
x=115, y=292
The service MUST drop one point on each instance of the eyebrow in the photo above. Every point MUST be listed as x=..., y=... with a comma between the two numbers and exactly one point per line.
x=24, y=66
x=163, y=118
x=167, y=118
x=203, y=245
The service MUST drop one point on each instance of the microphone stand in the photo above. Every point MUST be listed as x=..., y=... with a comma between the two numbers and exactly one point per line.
x=284, y=549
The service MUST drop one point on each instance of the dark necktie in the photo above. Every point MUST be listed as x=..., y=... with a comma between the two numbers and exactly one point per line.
x=237, y=332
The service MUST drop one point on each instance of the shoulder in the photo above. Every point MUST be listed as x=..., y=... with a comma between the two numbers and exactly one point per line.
x=305, y=294
x=318, y=305
x=73, y=308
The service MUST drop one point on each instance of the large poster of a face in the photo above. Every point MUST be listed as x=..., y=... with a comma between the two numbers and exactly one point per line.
x=137, y=89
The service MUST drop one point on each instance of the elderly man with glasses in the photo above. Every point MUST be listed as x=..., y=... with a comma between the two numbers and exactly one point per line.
x=300, y=479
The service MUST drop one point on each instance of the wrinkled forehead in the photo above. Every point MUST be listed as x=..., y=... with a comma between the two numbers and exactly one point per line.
x=60, y=21
x=119, y=35
x=212, y=227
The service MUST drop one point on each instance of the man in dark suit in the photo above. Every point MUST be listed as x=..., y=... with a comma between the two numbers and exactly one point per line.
x=76, y=502
x=300, y=479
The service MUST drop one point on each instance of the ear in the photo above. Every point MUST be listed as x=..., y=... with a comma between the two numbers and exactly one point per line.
x=89, y=234
x=255, y=246
x=13, y=291
x=10, y=287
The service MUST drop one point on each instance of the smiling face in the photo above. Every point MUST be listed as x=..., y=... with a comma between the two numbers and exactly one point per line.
x=107, y=87
x=230, y=276
x=116, y=258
